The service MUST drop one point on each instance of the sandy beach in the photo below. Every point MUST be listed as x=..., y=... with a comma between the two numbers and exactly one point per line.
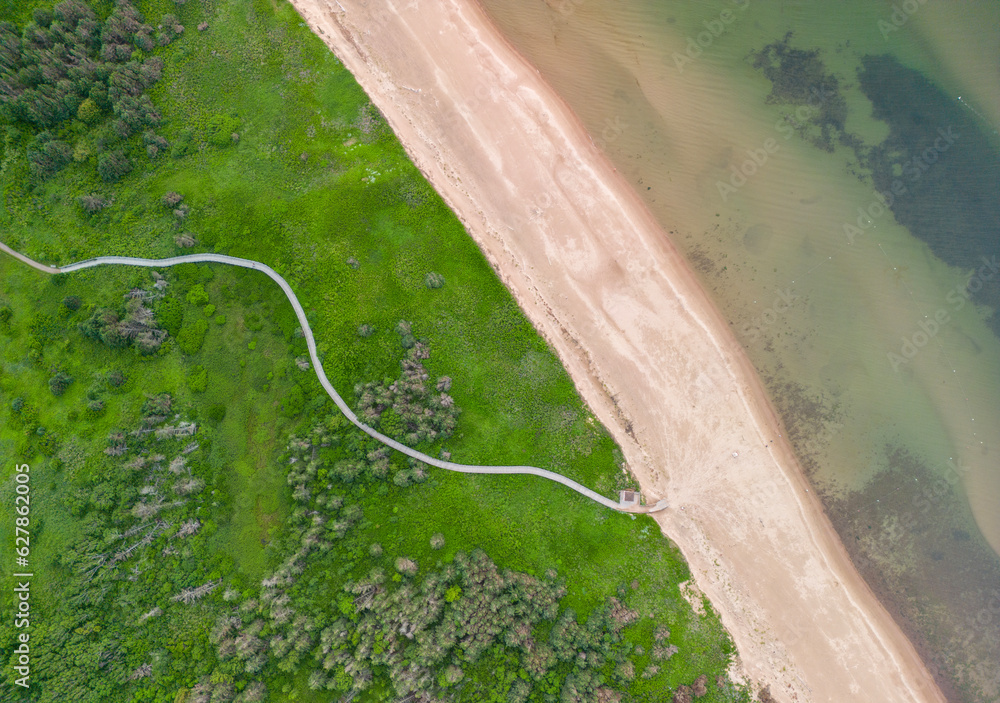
x=647, y=350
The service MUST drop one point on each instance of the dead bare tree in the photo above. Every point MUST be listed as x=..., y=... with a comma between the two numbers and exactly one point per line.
x=188, y=487
x=185, y=240
x=185, y=429
x=140, y=294
x=144, y=510
x=190, y=595
x=188, y=528
x=155, y=612
x=137, y=463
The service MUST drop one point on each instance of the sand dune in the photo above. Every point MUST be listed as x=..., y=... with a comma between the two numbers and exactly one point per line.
x=647, y=350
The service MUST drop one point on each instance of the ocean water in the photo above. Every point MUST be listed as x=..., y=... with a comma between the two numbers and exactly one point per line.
x=832, y=171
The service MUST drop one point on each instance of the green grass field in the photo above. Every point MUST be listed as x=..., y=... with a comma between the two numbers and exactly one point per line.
x=317, y=187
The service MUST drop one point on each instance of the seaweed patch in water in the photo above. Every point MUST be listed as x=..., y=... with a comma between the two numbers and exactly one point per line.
x=912, y=537
x=946, y=163
x=799, y=77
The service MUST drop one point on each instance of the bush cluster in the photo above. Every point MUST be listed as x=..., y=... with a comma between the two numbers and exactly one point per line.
x=135, y=327
x=408, y=409
x=417, y=630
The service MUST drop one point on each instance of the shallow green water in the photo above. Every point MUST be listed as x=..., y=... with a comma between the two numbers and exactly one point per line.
x=840, y=202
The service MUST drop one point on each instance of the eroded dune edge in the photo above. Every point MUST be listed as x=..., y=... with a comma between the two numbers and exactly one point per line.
x=599, y=278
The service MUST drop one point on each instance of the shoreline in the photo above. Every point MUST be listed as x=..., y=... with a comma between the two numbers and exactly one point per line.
x=646, y=347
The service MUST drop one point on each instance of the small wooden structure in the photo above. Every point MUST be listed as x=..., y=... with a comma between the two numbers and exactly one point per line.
x=629, y=498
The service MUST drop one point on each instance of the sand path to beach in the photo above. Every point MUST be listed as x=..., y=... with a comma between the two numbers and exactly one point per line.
x=649, y=353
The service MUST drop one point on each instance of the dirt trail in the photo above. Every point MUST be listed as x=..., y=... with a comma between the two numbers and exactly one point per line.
x=24, y=259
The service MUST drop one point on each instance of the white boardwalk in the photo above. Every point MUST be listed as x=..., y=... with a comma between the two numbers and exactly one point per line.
x=324, y=381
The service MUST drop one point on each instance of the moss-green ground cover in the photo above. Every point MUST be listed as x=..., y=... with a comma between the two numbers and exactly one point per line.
x=317, y=187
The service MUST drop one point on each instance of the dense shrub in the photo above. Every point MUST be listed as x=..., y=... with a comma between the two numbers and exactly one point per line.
x=192, y=336
x=185, y=240
x=197, y=295
x=59, y=383
x=293, y=402
x=183, y=145
x=113, y=166
x=136, y=327
x=253, y=322
x=116, y=379
x=216, y=413
x=155, y=144
x=48, y=156
x=171, y=200
x=157, y=405
x=407, y=409
x=42, y=16
x=221, y=129
x=102, y=326
x=197, y=380
x=171, y=315
x=93, y=203
x=88, y=111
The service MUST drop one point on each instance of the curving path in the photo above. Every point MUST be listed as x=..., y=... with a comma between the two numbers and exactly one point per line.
x=318, y=366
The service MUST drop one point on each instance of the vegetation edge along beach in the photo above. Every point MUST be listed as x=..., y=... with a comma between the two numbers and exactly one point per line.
x=205, y=526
